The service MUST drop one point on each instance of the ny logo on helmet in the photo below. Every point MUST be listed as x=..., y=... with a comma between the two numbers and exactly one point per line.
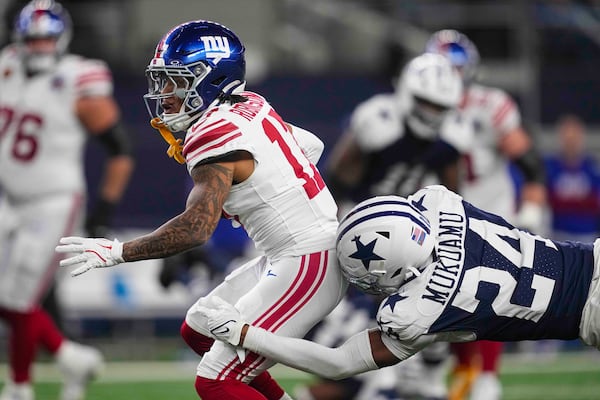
x=216, y=47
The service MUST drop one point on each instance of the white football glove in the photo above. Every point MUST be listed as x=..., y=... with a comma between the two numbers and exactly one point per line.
x=224, y=320
x=93, y=253
x=530, y=217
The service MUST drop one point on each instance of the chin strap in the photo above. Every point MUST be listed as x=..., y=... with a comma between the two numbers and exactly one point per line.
x=175, y=147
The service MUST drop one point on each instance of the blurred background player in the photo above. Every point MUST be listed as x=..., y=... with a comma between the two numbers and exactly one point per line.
x=49, y=102
x=250, y=166
x=499, y=140
x=395, y=144
x=573, y=183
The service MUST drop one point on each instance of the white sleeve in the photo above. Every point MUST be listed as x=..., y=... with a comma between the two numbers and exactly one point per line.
x=351, y=358
x=311, y=145
x=93, y=78
x=458, y=132
x=377, y=123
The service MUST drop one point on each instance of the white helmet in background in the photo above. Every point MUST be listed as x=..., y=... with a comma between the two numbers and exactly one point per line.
x=380, y=240
x=428, y=88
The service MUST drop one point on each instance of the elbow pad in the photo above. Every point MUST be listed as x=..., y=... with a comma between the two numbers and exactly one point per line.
x=530, y=165
x=116, y=141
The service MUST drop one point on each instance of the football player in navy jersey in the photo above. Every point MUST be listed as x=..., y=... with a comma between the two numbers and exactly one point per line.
x=500, y=143
x=395, y=142
x=452, y=273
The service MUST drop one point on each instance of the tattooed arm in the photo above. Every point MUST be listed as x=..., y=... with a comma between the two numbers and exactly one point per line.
x=195, y=225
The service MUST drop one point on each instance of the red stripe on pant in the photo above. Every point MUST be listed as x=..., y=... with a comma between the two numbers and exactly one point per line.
x=306, y=283
x=210, y=389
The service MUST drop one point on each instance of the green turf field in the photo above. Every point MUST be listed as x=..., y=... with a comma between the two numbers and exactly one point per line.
x=567, y=377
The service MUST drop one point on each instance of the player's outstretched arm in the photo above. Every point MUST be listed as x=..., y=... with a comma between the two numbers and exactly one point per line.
x=193, y=227
x=360, y=353
x=364, y=351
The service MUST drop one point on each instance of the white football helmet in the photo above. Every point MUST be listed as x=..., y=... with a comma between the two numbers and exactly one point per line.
x=428, y=88
x=380, y=240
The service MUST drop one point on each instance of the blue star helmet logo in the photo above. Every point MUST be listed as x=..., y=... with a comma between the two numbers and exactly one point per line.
x=392, y=300
x=418, y=204
x=365, y=253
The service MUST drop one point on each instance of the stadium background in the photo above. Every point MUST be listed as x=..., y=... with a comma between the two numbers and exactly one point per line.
x=314, y=60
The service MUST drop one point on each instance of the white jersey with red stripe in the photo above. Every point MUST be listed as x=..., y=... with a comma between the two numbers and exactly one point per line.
x=284, y=205
x=488, y=184
x=289, y=213
x=41, y=138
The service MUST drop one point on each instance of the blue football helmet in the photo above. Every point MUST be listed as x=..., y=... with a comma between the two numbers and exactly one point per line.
x=458, y=48
x=201, y=62
x=42, y=19
x=381, y=242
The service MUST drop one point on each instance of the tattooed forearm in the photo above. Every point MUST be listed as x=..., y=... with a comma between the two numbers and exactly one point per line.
x=195, y=225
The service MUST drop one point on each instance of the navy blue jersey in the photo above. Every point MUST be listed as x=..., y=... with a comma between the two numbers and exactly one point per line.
x=490, y=280
x=397, y=160
x=401, y=167
x=545, y=298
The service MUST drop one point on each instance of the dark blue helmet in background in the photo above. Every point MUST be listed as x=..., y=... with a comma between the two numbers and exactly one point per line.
x=201, y=62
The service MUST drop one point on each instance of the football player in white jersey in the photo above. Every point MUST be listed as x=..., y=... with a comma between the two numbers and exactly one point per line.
x=50, y=102
x=499, y=139
x=451, y=272
x=252, y=167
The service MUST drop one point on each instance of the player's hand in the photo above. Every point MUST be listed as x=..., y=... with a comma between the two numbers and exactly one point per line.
x=531, y=217
x=224, y=320
x=91, y=253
